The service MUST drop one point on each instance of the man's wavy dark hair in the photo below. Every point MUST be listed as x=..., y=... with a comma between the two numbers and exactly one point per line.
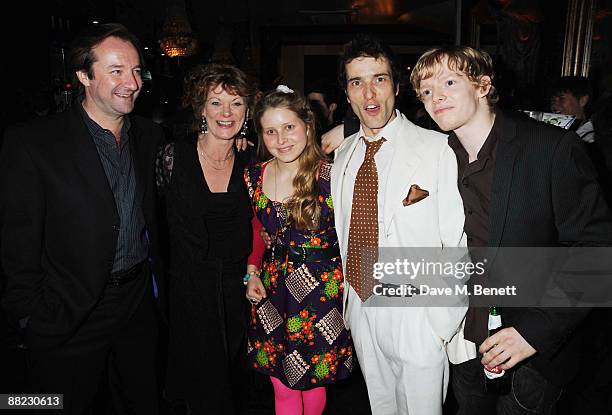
x=371, y=47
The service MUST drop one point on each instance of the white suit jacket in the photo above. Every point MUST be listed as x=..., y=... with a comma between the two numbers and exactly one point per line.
x=422, y=157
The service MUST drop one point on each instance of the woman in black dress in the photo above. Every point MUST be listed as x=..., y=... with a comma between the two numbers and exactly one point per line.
x=209, y=219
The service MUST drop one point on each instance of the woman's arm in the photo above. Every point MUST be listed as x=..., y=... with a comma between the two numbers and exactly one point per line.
x=163, y=167
x=259, y=246
x=255, y=290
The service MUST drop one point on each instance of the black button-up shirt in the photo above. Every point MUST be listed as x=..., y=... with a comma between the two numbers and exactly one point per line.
x=132, y=246
x=475, y=181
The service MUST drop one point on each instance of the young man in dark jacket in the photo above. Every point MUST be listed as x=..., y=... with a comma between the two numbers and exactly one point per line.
x=523, y=184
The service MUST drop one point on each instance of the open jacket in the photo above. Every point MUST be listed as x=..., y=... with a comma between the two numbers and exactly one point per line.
x=59, y=222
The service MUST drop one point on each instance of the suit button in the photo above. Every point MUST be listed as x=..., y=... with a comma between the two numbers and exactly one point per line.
x=469, y=212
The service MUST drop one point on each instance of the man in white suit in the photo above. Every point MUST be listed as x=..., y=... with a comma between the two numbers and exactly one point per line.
x=402, y=350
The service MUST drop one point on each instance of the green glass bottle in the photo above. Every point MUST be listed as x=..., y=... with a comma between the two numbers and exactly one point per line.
x=497, y=380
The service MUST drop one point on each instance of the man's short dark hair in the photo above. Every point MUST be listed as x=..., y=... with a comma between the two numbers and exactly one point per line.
x=371, y=47
x=81, y=49
x=325, y=87
x=578, y=86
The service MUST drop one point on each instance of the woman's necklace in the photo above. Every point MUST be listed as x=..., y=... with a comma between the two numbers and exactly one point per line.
x=209, y=158
x=275, y=174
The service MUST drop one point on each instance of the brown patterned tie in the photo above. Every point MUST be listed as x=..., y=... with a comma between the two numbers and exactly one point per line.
x=363, y=230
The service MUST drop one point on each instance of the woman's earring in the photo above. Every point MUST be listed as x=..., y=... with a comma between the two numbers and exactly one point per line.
x=203, y=126
x=245, y=126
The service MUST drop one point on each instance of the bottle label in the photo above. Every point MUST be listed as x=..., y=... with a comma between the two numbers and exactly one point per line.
x=494, y=373
x=494, y=322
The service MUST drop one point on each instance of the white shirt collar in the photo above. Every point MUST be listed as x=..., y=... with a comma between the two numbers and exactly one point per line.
x=389, y=130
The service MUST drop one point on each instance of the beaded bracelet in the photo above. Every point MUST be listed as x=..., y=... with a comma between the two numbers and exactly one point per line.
x=248, y=276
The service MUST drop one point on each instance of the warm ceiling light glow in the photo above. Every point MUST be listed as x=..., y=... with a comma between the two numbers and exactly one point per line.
x=177, y=39
x=375, y=9
x=406, y=17
x=385, y=7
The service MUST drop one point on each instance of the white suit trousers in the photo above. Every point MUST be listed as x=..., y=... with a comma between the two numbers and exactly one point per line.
x=403, y=361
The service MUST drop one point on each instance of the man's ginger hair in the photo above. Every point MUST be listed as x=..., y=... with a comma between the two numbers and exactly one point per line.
x=472, y=63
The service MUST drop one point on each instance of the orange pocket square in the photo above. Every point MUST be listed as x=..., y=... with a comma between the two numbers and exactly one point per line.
x=415, y=194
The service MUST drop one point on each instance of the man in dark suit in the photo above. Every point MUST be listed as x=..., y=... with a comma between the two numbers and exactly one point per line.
x=79, y=245
x=523, y=184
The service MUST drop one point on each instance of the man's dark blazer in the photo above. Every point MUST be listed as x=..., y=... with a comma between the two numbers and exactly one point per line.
x=59, y=222
x=545, y=193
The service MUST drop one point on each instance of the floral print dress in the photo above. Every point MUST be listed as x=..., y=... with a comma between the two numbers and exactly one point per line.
x=297, y=333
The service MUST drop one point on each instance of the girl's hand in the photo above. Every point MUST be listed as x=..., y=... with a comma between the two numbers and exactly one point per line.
x=255, y=290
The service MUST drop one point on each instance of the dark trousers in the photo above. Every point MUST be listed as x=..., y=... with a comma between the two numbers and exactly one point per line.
x=119, y=338
x=590, y=392
x=531, y=393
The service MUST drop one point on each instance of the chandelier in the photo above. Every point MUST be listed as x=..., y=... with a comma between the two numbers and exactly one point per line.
x=177, y=38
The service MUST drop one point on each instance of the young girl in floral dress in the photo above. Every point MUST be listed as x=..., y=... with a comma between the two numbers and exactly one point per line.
x=297, y=334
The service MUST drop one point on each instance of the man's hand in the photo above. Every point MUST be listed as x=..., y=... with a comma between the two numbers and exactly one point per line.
x=242, y=143
x=332, y=139
x=505, y=349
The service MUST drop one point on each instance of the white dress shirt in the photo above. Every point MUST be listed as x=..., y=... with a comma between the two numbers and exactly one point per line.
x=383, y=159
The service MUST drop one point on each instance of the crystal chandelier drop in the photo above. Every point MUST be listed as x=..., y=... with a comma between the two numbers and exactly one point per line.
x=177, y=38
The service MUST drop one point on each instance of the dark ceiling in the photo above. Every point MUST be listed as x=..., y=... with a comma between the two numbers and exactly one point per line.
x=145, y=17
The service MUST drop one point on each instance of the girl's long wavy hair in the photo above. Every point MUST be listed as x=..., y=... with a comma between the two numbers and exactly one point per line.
x=303, y=207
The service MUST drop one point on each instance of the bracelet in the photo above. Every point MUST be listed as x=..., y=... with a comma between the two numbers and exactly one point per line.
x=248, y=276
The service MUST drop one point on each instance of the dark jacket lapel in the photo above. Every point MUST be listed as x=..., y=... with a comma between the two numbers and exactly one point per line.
x=507, y=151
x=88, y=160
x=139, y=157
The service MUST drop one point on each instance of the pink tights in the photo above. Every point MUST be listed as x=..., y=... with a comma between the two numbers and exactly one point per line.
x=291, y=402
